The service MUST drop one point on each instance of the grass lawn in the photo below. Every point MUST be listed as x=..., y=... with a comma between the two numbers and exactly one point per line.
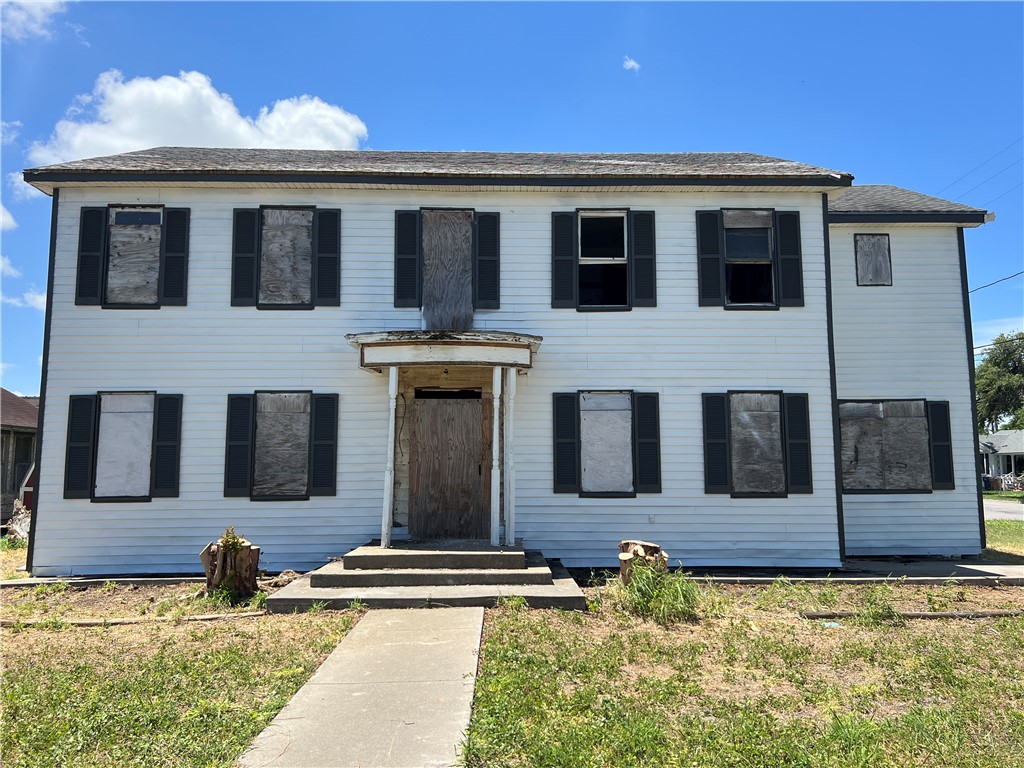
x=167, y=694
x=1004, y=495
x=752, y=684
x=1005, y=540
x=12, y=557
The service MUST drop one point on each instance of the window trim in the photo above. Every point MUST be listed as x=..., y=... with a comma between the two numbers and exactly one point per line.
x=773, y=260
x=105, y=261
x=627, y=262
x=856, y=258
x=312, y=258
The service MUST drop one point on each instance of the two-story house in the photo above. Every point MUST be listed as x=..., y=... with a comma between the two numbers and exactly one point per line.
x=745, y=359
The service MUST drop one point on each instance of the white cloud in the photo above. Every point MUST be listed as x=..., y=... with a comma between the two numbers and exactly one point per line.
x=6, y=220
x=631, y=64
x=5, y=367
x=30, y=298
x=7, y=269
x=124, y=115
x=9, y=130
x=21, y=190
x=78, y=29
x=986, y=330
x=25, y=19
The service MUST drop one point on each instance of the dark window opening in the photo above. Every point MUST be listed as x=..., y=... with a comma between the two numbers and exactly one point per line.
x=602, y=237
x=136, y=218
x=448, y=394
x=746, y=244
x=603, y=285
x=749, y=268
x=749, y=283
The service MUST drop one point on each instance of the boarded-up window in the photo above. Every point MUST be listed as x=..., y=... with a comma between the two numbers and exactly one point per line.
x=133, y=262
x=281, y=445
x=286, y=257
x=874, y=264
x=606, y=442
x=447, y=269
x=757, y=462
x=885, y=446
x=124, y=446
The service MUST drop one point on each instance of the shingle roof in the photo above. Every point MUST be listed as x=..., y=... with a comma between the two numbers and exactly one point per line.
x=885, y=198
x=16, y=411
x=528, y=165
x=1003, y=441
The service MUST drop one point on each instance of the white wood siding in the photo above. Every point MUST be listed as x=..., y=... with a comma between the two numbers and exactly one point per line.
x=209, y=349
x=908, y=340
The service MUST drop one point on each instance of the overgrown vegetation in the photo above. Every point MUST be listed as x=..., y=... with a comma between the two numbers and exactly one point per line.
x=654, y=593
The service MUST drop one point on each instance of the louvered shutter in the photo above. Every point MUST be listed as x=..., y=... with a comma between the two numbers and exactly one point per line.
x=716, y=443
x=327, y=245
x=245, y=257
x=174, y=265
x=78, y=464
x=798, y=444
x=941, y=446
x=566, y=442
x=647, y=442
x=790, y=269
x=238, y=455
x=644, y=280
x=166, y=445
x=564, y=251
x=323, y=466
x=92, y=239
x=407, y=259
x=487, y=262
x=710, y=259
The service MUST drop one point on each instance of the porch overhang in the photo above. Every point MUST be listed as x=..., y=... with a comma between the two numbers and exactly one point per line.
x=388, y=349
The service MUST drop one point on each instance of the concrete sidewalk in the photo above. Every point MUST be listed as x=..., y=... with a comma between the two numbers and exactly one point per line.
x=395, y=693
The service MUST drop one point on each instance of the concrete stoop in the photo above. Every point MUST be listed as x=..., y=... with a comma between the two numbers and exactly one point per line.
x=435, y=574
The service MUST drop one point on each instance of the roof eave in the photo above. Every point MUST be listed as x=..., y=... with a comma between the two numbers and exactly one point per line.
x=966, y=218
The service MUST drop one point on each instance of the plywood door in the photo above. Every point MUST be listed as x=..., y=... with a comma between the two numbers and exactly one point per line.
x=449, y=469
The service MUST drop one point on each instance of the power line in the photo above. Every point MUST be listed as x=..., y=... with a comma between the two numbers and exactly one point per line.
x=1011, y=189
x=998, y=343
x=986, y=181
x=997, y=154
x=1008, y=277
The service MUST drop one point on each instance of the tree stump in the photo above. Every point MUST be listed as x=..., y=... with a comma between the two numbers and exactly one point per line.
x=230, y=568
x=632, y=550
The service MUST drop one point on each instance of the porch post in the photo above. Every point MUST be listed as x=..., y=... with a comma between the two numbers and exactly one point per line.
x=510, y=462
x=389, y=465
x=496, y=458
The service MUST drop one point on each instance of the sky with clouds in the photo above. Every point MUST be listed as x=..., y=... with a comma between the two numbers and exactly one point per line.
x=926, y=96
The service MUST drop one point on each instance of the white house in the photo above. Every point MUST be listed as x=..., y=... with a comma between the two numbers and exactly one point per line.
x=745, y=359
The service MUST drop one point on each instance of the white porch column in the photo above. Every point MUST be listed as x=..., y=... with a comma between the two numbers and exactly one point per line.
x=389, y=465
x=510, y=461
x=496, y=458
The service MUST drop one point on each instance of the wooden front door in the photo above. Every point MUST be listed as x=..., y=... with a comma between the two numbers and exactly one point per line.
x=450, y=469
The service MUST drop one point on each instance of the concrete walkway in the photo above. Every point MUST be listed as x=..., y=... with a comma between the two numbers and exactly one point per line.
x=396, y=692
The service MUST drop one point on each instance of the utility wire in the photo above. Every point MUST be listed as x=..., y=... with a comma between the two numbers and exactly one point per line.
x=999, y=343
x=986, y=181
x=997, y=197
x=997, y=154
x=1008, y=277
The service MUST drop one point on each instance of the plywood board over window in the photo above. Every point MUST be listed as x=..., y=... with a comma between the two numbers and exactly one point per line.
x=447, y=269
x=281, y=465
x=606, y=442
x=874, y=263
x=124, y=446
x=286, y=257
x=885, y=446
x=133, y=266
x=757, y=459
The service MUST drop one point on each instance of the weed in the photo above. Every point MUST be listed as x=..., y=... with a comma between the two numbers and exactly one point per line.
x=258, y=602
x=108, y=588
x=317, y=607
x=7, y=543
x=663, y=596
x=878, y=608
x=357, y=605
x=42, y=591
x=512, y=602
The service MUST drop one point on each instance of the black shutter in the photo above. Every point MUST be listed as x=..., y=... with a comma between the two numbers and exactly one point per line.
x=323, y=465
x=716, y=443
x=327, y=246
x=647, y=442
x=80, y=459
x=487, y=262
x=791, y=271
x=941, y=445
x=798, y=443
x=644, y=280
x=710, y=259
x=245, y=257
x=92, y=240
x=566, y=442
x=166, y=445
x=174, y=265
x=407, y=259
x=564, y=262
x=238, y=456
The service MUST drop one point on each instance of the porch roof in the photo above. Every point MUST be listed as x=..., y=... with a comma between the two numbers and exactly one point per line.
x=385, y=349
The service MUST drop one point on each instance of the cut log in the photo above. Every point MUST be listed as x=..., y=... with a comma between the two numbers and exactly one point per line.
x=626, y=567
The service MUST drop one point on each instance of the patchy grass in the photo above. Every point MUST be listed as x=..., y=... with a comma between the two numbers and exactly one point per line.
x=755, y=685
x=12, y=557
x=151, y=694
x=1005, y=540
x=1005, y=495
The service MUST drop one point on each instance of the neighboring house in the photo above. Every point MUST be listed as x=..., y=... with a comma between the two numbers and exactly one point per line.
x=742, y=358
x=1003, y=452
x=19, y=419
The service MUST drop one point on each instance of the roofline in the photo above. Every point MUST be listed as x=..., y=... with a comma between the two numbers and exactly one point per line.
x=42, y=176
x=907, y=217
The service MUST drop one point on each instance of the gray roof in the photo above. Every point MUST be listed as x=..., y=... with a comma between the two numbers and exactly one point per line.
x=165, y=161
x=885, y=198
x=1003, y=441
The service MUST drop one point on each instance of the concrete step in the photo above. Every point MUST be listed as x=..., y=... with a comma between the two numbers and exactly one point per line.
x=446, y=555
x=338, y=575
x=300, y=595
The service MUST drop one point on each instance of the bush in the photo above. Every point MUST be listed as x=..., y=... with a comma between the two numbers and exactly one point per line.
x=663, y=596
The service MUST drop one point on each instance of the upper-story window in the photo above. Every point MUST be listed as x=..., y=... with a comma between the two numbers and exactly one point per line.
x=874, y=262
x=133, y=257
x=749, y=259
x=286, y=257
x=603, y=260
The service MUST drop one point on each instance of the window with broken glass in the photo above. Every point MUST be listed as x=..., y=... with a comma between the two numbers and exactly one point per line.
x=749, y=258
x=603, y=267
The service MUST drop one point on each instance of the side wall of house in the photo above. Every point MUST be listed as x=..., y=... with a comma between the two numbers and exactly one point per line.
x=208, y=349
x=908, y=340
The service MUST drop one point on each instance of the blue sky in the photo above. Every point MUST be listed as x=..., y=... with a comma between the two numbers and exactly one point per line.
x=915, y=94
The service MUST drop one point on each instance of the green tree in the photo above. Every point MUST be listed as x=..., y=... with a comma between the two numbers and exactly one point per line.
x=999, y=380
